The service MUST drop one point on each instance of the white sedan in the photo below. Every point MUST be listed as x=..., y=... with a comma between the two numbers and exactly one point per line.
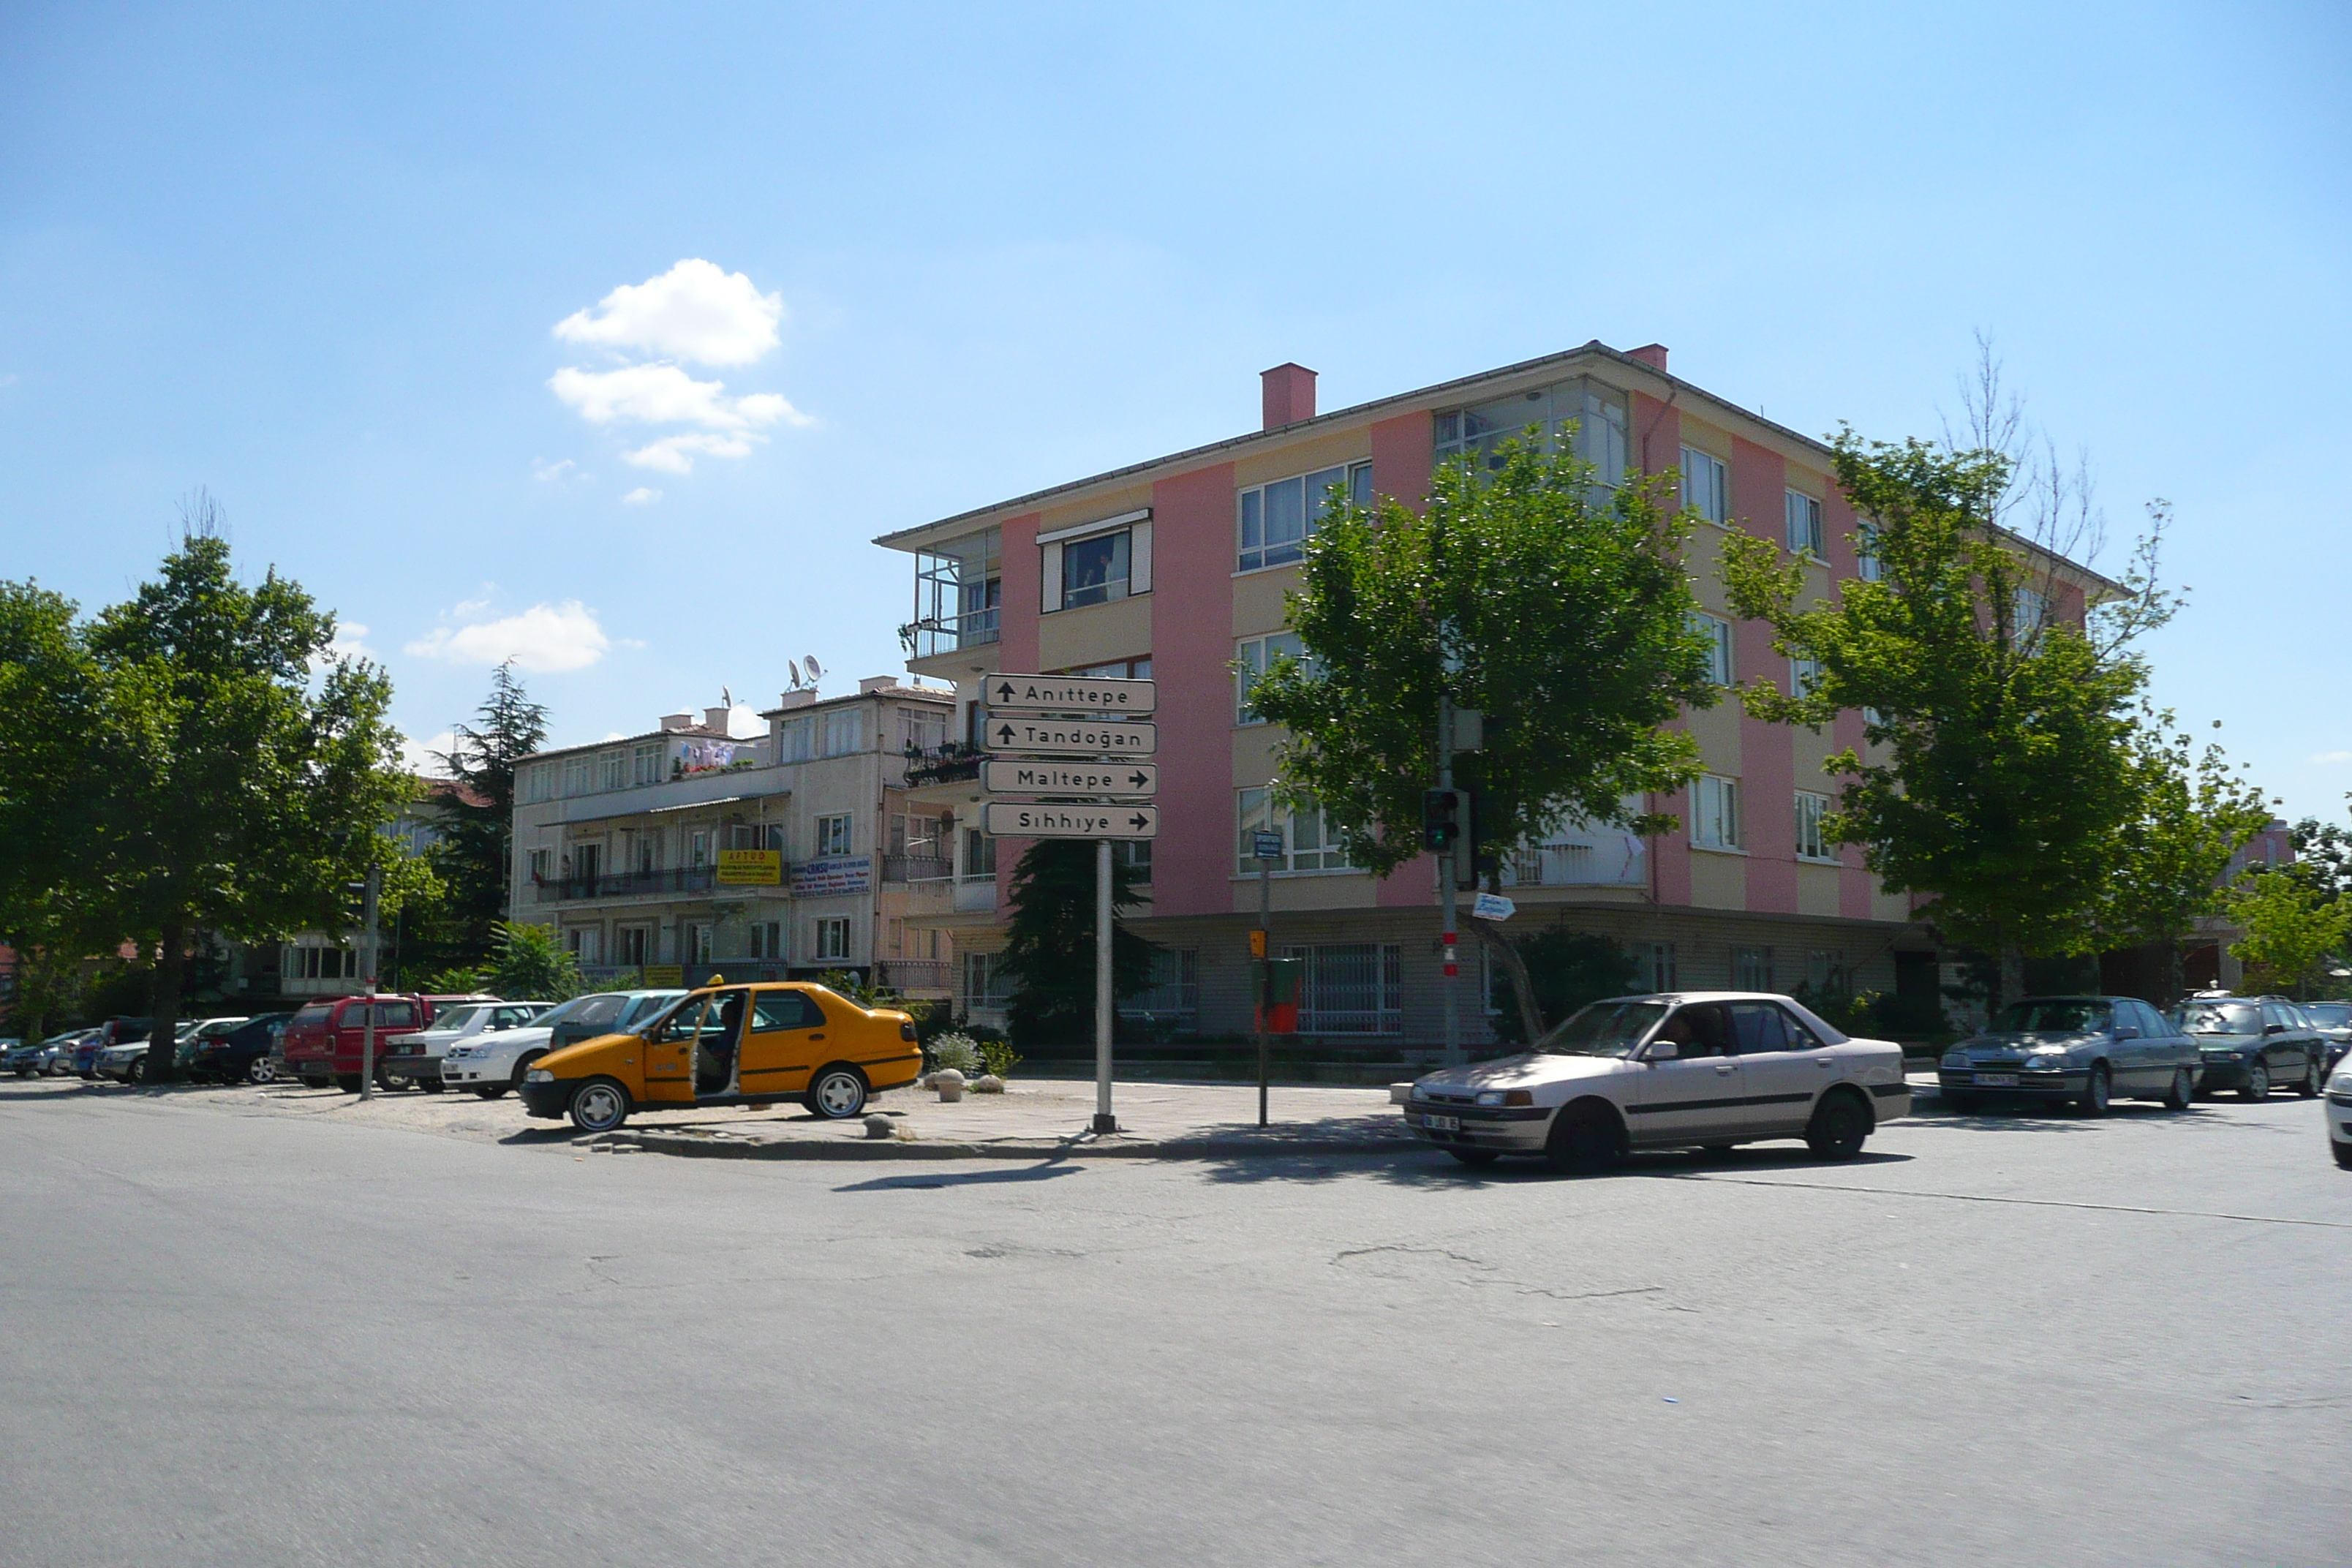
x=1690, y=1070
x=2338, y=1114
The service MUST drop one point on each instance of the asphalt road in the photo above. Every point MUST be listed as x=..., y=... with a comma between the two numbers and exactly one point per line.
x=263, y=1340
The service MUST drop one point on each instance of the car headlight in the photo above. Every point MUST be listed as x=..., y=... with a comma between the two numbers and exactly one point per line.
x=1490, y=1097
x=1956, y=1059
x=539, y=1075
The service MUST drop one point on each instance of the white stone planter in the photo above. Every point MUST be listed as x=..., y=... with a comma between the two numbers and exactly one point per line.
x=950, y=1083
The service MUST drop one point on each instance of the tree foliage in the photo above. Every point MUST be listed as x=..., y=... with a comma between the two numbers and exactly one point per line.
x=1049, y=951
x=2192, y=813
x=528, y=964
x=1556, y=606
x=476, y=817
x=2004, y=772
x=2292, y=927
x=218, y=769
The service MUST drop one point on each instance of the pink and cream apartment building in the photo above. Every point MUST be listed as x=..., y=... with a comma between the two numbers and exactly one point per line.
x=1176, y=568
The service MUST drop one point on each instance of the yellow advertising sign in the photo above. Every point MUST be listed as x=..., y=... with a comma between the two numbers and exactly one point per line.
x=751, y=867
x=658, y=976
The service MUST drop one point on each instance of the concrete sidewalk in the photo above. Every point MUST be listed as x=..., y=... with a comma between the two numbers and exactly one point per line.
x=1043, y=1118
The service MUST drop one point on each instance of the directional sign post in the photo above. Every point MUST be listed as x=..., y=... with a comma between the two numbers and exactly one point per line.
x=1070, y=694
x=1005, y=819
x=1126, y=780
x=1071, y=737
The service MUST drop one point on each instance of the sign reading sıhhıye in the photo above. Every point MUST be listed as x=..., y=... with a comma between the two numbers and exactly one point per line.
x=1004, y=820
x=1069, y=694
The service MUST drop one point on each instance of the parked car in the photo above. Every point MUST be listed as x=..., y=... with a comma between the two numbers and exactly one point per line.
x=491, y=1064
x=2338, y=1115
x=2254, y=1044
x=735, y=1045
x=416, y=1059
x=1701, y=1068
x=2085, y=1050
x=124, y=1063
x=26, y=1059
x=325, y=1041
x=245, y=1054
x=62, y=1064
x=112, y=1032
x=2334, y=1022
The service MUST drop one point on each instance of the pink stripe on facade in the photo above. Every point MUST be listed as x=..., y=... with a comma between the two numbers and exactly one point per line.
x=1768, y=759
x=1657, y=446
x=1193, y=566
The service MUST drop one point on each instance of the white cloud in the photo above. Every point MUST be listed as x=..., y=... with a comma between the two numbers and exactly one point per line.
x=424, y=756
x=665, y=394
x=557, y=473
x=673, y=454
x=350, y=642
x=693, y=312
x=642, y=496
x=545, y=639
x=2333, y=757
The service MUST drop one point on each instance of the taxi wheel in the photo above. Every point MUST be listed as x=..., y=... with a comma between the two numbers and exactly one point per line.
x=1840, y=1124
x=2183, y=1092
x=599, y=1105
x=2258, y=1083
x=1584, y=1140
x=838, y=1093
x=1474, y=1156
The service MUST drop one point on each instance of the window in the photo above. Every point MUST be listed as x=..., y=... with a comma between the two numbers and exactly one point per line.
x=644, y=764
x=2030, y=610
x=630, y=945
x=1718, y=632
x=537, y=782
x=833, y=834
x=1715, y=812
x=983, y=982
x=1597, y=412
x=922, y=728
x=1135, y=854
x=648, y=859
x=844, y=732
x=1253, y=657
x=1173, y=997
x=576, y=776
x=1804, y=674
x=1309, y=842
x=1117, y=669
x=697, y=941
x=768, y=938
x=1706, y=485
x=1825, y=971
x=540, y=866
x=609, y=767
x=1867, y=565
x=1351, y=988
x=585, y=943
x=832, y=939
x=957, y=594
x=773, y=1011
x=1805, y=526
x=699, y=848
x=1759, y=1026
x=1752, y=969
x=1096, y=571
x=796, y=740
x=1277, y=518
x=979, y=853
x=320, y=964
x=1811, y=844
x=1657, y=965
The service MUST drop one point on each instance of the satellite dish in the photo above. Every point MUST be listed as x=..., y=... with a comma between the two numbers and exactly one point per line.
x=793, y=670
x=814, y=668
x=727, y=697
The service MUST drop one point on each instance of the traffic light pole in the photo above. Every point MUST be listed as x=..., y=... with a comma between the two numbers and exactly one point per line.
x=368, y=899
x=1104, y=1121
x=1449, y=916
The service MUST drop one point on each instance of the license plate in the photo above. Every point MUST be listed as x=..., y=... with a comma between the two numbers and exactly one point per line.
x=1996, y=1080
x=1442, y=1123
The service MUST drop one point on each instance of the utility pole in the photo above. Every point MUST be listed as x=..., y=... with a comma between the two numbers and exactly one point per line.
x=1448, y=902
x=1105, y=1122
x=370, y=895
x=1264, y=964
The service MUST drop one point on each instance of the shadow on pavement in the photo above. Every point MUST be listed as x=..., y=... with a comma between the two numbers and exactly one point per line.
x=1434, y=1167
x=959, y=1179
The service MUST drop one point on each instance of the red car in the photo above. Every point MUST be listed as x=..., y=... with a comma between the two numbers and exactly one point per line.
x=325, y=1042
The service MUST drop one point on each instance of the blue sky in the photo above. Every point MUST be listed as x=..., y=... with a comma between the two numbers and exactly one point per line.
x=314, y=258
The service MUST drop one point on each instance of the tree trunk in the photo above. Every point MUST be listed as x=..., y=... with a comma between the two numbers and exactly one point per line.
x=1514, y=965
x=2174, y=986
x=162, y=1065
x=2012, y=974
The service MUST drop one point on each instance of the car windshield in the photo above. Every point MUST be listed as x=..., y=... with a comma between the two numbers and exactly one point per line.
x=570, y=1010
x=1603, y=1029
x=2219, y=1018
x=2330, y=1014
x=2064, y=1016
x=455, y=1017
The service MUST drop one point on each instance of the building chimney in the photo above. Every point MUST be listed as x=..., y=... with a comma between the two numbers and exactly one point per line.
x=1289, y=395
x=717, y=719
x=798, y=697
x=874, y=683
x=1651, y=354
x=677, y=721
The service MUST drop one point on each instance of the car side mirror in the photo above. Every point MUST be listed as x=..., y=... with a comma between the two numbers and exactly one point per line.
x=2125, y=1032
x=1664, y=1050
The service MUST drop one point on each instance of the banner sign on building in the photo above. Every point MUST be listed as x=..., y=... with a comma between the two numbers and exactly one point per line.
x=751, y=869
x=663, y=976
x=841, y=874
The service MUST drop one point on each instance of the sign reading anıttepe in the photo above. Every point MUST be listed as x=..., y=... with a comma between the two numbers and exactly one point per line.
x=1069, y=694
x=840, y=874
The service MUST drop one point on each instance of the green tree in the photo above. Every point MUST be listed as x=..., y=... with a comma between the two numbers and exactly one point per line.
x=474, y=856
x=2006, y=773
x=1049, y=951
x=1556, y=605
x=1568, y=969
x=236, y=773
x=2193, y=812
x=528, y=964
x=51, y=715
x=2291, y=927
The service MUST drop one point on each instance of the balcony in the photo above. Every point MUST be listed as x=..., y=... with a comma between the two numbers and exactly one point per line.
x=976, y=895
x=626, y=884
x=950, y=763
x=956, y=593
x=916, y=869
x=918, y=974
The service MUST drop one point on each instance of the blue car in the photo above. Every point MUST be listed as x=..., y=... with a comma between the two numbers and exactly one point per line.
x=2081, y=1051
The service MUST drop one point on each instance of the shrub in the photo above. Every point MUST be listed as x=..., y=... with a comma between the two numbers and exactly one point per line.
x=998, y=1056
x=955, y=1050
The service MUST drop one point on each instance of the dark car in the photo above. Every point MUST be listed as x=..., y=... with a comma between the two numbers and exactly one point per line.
x=113, y=1032
x=2084, y=1049
x=2253, y=1045
x=2334, y=1022
x=245, y=1055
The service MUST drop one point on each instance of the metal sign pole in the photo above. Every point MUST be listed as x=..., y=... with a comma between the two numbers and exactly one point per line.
x=1447, y=898
x=1104, y=1121
x=1265, y=971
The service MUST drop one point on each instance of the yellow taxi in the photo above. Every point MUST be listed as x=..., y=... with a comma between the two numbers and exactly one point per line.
x=731, y=1044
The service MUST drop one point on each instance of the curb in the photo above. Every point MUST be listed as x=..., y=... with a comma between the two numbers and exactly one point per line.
x=1033, y=1149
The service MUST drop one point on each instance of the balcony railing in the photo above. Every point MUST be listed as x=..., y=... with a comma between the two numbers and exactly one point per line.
x=945, y=634
x=976, y=895
x=916, y=869
x=917, y=973
x=951, y=762
x=625, y=884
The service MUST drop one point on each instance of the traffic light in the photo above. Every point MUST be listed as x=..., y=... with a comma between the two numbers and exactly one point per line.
x=1440, y=819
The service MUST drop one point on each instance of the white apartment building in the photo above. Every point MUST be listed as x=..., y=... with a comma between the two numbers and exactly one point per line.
x=666, y=857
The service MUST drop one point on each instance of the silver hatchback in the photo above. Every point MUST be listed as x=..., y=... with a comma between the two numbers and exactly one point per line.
x=2083, y=1050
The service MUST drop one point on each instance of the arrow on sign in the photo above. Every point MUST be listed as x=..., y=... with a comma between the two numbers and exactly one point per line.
x=1005, y=735
x=1005, y=693
x=1138, y=778
x=1140, y=821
